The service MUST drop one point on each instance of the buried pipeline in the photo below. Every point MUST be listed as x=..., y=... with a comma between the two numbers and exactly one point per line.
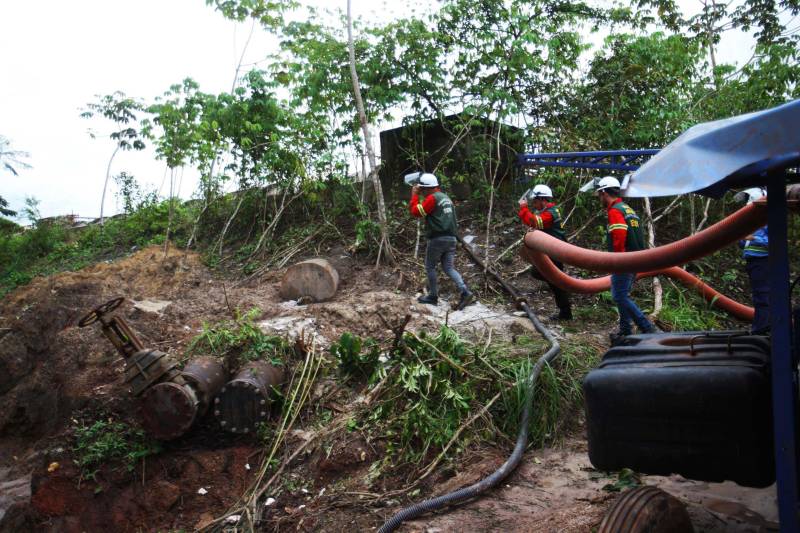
x=541, y=249
x=171, y=400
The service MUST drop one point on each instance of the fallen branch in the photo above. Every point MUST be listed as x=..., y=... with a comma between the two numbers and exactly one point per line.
x=398, y=330
x=579, y=230
x=515, y=244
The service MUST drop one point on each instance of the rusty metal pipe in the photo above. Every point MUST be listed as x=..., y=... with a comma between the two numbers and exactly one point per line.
x=244, y=401
x=170, y=408
x=170, y=400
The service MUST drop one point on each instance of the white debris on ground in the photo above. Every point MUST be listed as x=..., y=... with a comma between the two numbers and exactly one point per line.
x=289, y=304
x=13, y=491
x=292, y=327
x=151, y=306
x=476, y=318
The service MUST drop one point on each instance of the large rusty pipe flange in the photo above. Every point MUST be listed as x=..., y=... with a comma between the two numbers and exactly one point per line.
x=207, y=376
x=168, y=410
x=146, y=368
x=244, y=401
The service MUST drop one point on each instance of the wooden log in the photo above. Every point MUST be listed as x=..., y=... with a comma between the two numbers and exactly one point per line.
x=314, y=279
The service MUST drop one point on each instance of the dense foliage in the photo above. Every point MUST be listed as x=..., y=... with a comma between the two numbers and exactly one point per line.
x=434, y=384
x=286, y=138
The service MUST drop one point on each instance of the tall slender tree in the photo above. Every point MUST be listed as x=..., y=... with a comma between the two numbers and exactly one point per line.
x=386, y=245
x=121, y=110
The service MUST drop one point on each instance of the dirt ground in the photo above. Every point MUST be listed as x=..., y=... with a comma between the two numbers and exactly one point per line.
x=54, y=374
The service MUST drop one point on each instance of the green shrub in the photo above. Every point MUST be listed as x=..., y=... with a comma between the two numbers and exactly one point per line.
x=240, y=340
x=434, y=384
x=352, y=362
x=51, y=247
x=106, y=442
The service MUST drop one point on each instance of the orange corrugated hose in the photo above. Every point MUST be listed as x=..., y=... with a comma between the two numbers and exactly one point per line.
x=539, y=248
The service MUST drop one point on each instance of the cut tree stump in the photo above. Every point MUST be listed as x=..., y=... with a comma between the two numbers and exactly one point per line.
x=315, y=279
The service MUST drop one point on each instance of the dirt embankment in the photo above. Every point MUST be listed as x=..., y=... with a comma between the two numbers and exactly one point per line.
x=54, y=376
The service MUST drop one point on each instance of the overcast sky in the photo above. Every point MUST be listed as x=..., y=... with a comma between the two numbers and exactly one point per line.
x=56, y=55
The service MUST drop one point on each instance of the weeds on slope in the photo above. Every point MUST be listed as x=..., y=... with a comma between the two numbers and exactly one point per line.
x=441, y=393
x=240, y=340
x=109, y=441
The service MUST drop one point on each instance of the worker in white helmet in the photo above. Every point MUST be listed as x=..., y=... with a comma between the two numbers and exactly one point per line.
x=624, y=234
x=435, y=207
x=756, y=257
x=538, y=211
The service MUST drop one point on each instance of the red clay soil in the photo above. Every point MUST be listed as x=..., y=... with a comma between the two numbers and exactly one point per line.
x=54, y=375
x=164, y=495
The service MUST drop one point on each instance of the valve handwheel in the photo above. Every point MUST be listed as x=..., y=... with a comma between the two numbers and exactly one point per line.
x=99, y=311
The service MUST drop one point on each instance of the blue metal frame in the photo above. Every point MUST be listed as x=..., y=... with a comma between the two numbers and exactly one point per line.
x=621, y=160
x=784, y=367
x=784, y=357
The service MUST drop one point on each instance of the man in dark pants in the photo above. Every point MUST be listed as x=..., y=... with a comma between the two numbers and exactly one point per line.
x=756, y=257
x=546, y=217
x=430, y=203
x=624, y=235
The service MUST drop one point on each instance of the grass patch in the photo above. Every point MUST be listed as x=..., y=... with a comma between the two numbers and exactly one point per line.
x=435, y=386
x=557, y=394
x=107, y=441
x=240, y=340
x=686, y=311
x=51, y=246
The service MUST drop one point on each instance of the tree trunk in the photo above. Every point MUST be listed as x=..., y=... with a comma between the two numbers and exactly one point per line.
x=658, y=292
x=363, y=177
x=105, y=185
x=493, y=174
x=171, y=208
x=385, y=243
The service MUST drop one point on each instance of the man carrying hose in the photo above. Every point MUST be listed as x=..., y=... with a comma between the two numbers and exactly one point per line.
x=546, y=217
x=756, y=256
x=624, y=235
x=440, y=230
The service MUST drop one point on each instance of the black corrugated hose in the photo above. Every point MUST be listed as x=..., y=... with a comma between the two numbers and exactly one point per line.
x=409, y=513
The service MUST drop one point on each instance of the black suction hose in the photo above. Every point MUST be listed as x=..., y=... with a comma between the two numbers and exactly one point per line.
x=409, y=513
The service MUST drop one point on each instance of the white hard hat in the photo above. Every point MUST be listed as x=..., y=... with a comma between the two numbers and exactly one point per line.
x=608, y=182
x=428, y=180
x=750, y=195
x=541, y=191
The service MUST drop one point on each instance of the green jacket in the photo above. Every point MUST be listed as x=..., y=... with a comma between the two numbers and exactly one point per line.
x=634, y=240
x=442, y=221
x=555, y=230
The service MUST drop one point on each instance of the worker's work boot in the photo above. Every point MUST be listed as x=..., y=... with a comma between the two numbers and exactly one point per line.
x=466, y=298
x=428, y=299
x=652, y=329
x=563, y=315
